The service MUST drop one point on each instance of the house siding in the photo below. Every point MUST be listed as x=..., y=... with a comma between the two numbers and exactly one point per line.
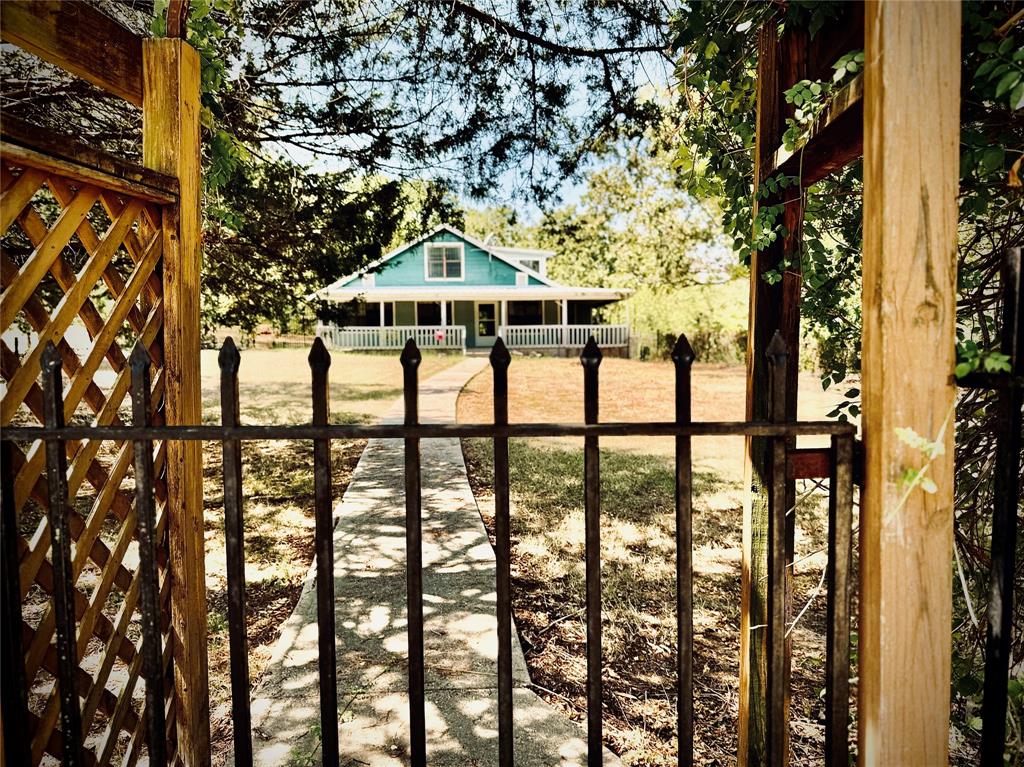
x=407, y=269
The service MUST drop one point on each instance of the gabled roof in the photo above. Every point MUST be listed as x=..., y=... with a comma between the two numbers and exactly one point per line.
x=502, y=254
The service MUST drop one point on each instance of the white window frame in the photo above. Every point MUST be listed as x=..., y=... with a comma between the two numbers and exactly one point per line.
x=462, y=261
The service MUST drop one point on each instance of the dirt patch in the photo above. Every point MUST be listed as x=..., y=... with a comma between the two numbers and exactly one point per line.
x=638, y=556
x=638, y=597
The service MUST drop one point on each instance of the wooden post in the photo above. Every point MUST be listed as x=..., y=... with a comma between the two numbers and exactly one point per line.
x=170, y=144
x=911, y=163
x=773, y=307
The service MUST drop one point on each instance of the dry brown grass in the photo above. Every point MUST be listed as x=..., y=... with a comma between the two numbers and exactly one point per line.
x=638, y=554
x=551, y=389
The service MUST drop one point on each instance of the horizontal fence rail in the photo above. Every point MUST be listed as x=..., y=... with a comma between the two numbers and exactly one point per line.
x=562, y=336
x=144, y=435
x=393, y=338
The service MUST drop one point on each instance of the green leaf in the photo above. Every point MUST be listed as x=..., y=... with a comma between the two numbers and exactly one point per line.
x=993, y=158
x=1010, y=80
x=986, y=67
x=1017, y=97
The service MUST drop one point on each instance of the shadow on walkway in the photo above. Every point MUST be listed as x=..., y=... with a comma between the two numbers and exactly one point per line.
x=460, y=637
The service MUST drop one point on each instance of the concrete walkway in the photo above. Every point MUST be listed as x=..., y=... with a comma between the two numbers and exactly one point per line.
x=460, y=625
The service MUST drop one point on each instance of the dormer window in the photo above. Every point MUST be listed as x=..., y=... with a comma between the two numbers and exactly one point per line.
x=445, y=261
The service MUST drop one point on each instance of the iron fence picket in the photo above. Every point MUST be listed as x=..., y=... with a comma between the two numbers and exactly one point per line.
x=778, y=665
x=500, y=360
x=148, y=574
x=837, y=639
x=411, y=359
x=14, y=690
x=591, y=360
x=1006, y=497
x=319, y=363
x=229, y=360
x=682, y=359
x=60, y=548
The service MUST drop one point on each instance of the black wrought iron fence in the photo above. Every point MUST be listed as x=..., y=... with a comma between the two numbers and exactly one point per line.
x=837, y=462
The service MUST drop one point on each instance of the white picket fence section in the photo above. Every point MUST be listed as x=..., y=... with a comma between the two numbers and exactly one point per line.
x=562, y=336
x=426, y=336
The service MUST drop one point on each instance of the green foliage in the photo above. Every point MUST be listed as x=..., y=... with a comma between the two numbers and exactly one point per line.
x=810, y=98
x=970, y=359
x=633, y=228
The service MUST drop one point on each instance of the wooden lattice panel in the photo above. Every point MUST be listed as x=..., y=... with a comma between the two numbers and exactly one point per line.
x=81, y=266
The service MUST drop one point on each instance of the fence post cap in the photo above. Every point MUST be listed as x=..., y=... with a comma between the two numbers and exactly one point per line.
x=682, y=352
x=139, y=359
x=591, y=355
x=777, y=350
x=500, y=356
x=50, y=358
x=319, y=357
x=229, y=357
x=411, y=356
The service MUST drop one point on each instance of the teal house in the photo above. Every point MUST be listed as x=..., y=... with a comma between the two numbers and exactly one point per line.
x=448, y=290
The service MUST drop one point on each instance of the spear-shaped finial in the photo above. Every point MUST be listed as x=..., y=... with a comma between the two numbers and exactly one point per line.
x=500, y=356
x=591, y=356
x=411, y=356
x=777, y=350
x=682, y=352
x=229, y=357
x=319, y=357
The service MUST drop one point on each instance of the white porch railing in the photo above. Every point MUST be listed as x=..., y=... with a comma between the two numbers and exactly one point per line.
x=562, y=336
x=426, y=336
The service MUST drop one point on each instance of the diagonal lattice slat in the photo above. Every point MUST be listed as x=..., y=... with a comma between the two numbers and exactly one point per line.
x=80, y=266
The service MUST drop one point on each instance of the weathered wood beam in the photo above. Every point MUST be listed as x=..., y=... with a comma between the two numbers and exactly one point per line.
x=177, y=16
x=170, y=144
x=911, y=172
x=35, y=147
x=840, y=35
x=834, y=140
x=79, y=39
x=773, y=307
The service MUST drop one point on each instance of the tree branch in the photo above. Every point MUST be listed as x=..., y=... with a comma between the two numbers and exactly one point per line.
x=472, y=12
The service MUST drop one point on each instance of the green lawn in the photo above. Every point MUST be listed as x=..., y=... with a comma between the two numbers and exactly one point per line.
x=638, y=555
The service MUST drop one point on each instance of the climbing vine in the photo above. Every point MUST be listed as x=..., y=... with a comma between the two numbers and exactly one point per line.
x=717, y=72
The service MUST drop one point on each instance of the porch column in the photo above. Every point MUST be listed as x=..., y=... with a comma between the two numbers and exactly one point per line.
x=504, y=312
x=565, y=322
x=444, y=313
x=382, y=314
x=911, y=170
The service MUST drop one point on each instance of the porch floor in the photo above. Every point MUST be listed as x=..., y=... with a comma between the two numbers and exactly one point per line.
x=460, y=626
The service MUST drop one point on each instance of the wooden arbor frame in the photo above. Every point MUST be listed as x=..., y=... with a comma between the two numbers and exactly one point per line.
x=147, y=260
x=902, y=116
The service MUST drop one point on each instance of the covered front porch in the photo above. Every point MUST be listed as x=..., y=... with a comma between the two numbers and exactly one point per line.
x=525, y=322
